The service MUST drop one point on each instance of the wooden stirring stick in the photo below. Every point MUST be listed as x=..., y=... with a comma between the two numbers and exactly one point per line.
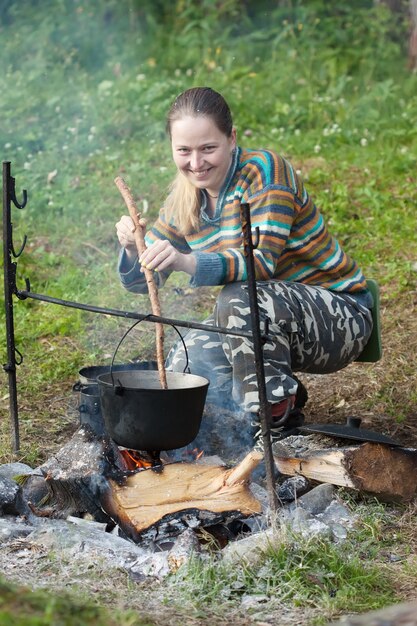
x=140, y=225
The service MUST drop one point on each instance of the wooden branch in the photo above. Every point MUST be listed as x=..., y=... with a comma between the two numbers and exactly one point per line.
x=152, y=288
x=385, y=471
x=241, y=472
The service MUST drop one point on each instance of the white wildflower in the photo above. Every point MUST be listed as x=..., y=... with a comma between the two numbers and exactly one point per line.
x=364, y=142
x=317, y=148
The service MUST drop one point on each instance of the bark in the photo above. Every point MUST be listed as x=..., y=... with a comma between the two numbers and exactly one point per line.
x=386, y=472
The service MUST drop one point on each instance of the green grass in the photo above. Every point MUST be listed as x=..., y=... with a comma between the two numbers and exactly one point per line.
x=24, y=607
x=300, y=572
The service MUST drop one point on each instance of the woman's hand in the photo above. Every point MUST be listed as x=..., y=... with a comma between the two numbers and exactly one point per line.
x=161, y=255
x=125, y=229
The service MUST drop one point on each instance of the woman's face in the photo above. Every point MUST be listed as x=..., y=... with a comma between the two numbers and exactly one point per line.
x=201, y=151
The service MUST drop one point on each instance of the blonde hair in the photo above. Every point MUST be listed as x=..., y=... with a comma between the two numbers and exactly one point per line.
x=182, y=204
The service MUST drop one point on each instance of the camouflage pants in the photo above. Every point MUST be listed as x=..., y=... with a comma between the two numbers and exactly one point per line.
x=312, y=330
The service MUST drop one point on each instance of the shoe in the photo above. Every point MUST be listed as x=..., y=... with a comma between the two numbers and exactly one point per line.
x=287, y=412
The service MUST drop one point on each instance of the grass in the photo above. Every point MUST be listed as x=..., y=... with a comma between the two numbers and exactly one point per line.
x=24, y=607
x=328, y=578
x=85, y=90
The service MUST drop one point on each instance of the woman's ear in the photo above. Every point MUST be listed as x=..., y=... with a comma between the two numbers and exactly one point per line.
x=233, y=137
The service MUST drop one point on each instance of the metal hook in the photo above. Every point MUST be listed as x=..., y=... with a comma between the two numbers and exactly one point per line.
x=19, y=294
x=12, y=248
x=19, y=205
x=18, y=361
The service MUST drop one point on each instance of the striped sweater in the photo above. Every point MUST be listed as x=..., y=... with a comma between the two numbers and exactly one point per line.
x=294, y=243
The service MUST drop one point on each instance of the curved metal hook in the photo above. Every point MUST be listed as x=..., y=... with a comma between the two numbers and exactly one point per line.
x=19, y=205
x=22, y=247
x=19, y=293
x=18, y=361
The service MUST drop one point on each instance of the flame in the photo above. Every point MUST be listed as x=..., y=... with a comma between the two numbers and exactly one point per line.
x=195, y=454
x=133, y=460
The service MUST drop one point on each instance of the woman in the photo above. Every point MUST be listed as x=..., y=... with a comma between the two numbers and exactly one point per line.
x=314, y=295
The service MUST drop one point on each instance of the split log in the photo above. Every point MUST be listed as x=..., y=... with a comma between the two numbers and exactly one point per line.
x=389, y=473
x=69, y=482
x=152, y=288
x=150, y=497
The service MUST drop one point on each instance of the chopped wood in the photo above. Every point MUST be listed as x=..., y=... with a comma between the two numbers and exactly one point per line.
x=384, y=471
x=68, y=483
x=148, y=497
x=140, y=225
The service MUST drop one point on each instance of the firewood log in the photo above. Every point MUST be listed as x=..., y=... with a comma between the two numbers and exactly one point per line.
x=148, y=497
x=384, y=471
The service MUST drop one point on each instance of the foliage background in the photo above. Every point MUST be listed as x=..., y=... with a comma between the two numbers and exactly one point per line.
x=85, y=90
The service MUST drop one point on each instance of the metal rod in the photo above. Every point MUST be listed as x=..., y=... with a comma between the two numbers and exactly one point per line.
x=9, y=289
x=136, y=316
x=264, y=406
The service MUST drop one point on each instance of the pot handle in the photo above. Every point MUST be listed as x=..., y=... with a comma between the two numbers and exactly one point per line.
x=119, y=386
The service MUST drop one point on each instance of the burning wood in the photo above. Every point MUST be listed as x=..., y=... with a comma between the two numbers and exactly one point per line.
x=140, y=225
x=91, y=475
x=148, y=498
x=385, y=471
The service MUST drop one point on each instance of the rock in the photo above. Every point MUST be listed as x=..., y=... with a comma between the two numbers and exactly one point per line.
x=13, y=528
x=249, y=550
x=302, y=522
x=293, y=488
x=13, y=470
x=11, y=501
x=318, y=499
x=404, y=614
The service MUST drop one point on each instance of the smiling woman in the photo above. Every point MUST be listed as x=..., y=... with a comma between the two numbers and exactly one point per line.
x=313, y=293
x=202, y=153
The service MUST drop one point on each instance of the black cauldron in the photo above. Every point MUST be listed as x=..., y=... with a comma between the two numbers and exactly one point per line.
x=140, y=415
